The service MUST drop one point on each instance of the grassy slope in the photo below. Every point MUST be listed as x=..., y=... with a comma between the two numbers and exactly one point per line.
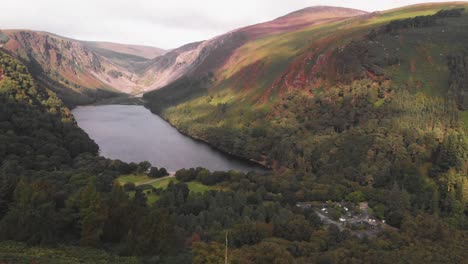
x=280, y=51
x=251, y=82
x=277, y=51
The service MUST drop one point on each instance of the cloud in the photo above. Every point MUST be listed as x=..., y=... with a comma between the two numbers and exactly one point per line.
x=165, y=24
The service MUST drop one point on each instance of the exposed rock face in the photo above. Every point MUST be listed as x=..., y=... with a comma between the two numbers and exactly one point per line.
x=66, y=60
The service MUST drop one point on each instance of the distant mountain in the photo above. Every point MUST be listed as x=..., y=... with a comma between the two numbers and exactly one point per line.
x=80, y=72
x=70, y=68
x=135, y=50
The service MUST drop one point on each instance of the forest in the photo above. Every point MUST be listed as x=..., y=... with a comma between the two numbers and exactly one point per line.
x=422, y=21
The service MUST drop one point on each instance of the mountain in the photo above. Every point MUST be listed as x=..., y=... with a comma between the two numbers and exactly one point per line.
x=361, y=116
x=80, y=72
x=146, y=52
x=92, y=70
x=374, y=103
x=378, y=99
x=200, y=60
x=300, y=19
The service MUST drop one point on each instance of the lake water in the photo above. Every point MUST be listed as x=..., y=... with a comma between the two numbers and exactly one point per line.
x=132, y=133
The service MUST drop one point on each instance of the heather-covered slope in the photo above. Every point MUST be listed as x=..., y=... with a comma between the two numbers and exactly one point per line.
x=199, y=61
x=82, y=72
x=300, y=19
x=262, y=68
x=261, y=72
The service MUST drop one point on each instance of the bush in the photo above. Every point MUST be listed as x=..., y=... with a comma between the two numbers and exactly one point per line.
x=185, y=175
x=208, y=178
x=157, y=173
x=143, y=167
x=163, y=172
x=355, y=197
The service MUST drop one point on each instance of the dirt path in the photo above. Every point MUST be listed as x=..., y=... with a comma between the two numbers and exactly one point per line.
x=171, y=175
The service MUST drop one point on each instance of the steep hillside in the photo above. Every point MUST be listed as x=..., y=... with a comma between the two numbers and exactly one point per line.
x=200, y=60
x=300, y=19
x=80, y=72
x=56, y=190
x=377, y=100
x=37, y=130
x=64, y=65
x=170, y=66
x=261, y=72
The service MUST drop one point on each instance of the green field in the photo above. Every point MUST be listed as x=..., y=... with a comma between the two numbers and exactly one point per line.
x=194, y=186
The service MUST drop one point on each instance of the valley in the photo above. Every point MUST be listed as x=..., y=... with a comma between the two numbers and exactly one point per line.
x=136, y=154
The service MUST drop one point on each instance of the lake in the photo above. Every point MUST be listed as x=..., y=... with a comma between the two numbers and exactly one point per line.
x=131, y=133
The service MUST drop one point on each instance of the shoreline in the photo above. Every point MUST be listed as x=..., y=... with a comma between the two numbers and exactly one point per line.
x=201, y=140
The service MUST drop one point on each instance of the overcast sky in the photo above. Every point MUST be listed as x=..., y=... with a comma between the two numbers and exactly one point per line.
x=160, y=23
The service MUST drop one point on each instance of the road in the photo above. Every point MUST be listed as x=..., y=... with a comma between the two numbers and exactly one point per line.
x=326, y=220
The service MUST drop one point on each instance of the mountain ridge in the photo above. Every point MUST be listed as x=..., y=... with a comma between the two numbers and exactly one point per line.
x=147, y=52
x=112, y=66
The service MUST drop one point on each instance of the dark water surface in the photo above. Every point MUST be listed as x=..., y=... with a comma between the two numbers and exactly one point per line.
x=132, y=133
